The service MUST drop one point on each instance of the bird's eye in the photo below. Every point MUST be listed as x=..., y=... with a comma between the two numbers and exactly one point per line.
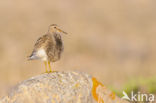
x=54, y=26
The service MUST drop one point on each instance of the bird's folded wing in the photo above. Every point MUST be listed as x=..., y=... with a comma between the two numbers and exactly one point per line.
x=41, y=42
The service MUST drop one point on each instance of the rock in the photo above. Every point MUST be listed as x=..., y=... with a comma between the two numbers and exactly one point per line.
x=61, y=87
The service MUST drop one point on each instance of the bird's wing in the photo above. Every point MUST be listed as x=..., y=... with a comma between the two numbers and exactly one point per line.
x=41, y=42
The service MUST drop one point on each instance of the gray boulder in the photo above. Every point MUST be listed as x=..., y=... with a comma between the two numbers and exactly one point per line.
x=61, y=87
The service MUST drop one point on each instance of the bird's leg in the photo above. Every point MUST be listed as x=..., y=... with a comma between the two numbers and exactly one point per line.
x=49, y=66
x=45, y=62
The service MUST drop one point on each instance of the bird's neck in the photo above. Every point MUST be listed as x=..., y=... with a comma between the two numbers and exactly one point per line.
x=51, y=31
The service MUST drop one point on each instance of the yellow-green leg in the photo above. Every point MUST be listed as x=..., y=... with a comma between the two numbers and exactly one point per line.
x=49, y=66
x=45, y=62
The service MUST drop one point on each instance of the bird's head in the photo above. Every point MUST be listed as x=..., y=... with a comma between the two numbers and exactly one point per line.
x=55, y=28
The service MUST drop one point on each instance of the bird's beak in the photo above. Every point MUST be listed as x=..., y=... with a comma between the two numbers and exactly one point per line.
x=61, y=31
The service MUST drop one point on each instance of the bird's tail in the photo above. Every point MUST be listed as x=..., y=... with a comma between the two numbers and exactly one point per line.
x=30, y=58
x=33, y=57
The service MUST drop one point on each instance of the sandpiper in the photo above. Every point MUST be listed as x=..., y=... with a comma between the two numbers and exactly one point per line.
x=49, y=47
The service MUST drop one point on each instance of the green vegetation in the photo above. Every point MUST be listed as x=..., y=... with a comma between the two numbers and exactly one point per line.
x=143, y=85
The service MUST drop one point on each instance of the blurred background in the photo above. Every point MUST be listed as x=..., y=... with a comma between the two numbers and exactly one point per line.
x=113, y=40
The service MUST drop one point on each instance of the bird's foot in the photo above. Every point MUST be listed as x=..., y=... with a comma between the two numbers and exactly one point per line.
x=49, y=72
x=52, y=71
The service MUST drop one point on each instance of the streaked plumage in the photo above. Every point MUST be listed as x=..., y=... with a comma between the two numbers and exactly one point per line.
x=49, y=47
